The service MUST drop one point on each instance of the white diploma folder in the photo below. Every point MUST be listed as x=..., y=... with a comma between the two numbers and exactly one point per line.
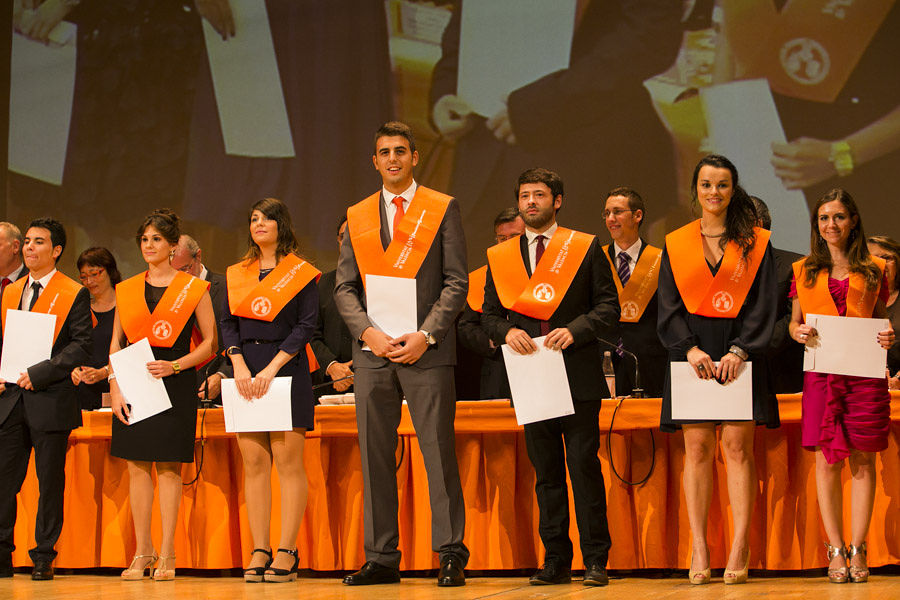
x=846, y=346
x=391, y=304
x=145, y=393
x=507, y=44
x=27, y=340
x=707, y=399
x=272, y=412
x=538, y=383
x=247, y=83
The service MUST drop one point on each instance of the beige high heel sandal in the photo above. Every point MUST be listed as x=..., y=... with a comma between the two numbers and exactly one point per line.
x=859, y=574
x=163, y=572
x=731, y=577
x=699, y=577
x=841, y=574
x=132, y=573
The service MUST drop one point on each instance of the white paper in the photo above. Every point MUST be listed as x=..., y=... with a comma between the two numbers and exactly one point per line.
x=27, y=340
x=42, y=86
x=507, y=44
x=334, y=399
x=391, y=304
x=145, y=393
x=709, y=400
x=538, y=383
x=743, y=123
x=248, y=89
x=272, y=412
x=846, y=346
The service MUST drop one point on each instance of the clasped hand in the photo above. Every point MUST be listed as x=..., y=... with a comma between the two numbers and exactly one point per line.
x=727, y=371
x=406, y=349
x=520, y=342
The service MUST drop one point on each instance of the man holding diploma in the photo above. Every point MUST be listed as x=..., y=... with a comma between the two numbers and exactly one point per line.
x=405, y=231
x=40, y=409
x=555, y=282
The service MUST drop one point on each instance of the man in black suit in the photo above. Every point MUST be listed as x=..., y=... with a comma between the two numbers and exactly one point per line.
x=586, y=309
x=11, y=265
x=331, y=341
x=635, y=267
x=40, y=408
x=188, y=257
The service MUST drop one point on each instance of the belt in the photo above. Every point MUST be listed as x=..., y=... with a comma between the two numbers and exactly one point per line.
x=261, y=341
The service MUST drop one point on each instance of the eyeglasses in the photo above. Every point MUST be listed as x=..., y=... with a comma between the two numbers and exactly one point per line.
x=503, y=238
x=886, y=257
x=87, y=275
x=615, y=212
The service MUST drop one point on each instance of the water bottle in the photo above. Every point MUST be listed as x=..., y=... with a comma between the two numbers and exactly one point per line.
x=609, y=373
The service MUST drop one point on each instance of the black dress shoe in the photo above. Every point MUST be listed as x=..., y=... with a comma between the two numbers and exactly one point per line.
x=42, y=571
x=551, y=573
x=6, y=567
x=595, y=574
x=451, y=573
x=372, y=573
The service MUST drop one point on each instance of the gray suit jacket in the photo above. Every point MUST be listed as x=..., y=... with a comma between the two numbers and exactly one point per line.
x=441, y=286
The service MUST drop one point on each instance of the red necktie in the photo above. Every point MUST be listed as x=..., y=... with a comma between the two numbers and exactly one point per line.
x=6, y=281
x=398, y=215
x=538, y=253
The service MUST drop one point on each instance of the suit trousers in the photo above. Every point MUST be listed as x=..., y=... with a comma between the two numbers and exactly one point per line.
x=431, y=398
x=17, y=439
x=551, y=445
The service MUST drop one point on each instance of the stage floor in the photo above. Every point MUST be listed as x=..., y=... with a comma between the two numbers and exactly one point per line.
x=94, y=587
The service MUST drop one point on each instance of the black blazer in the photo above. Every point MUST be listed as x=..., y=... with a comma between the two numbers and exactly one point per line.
x=218, y=291
x=589, y=309
x=785, y=356
x=331, y=340
x=53, y=404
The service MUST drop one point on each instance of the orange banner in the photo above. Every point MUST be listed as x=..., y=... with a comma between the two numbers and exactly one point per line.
x=720, y=296
x=262, y=300
x=57, y=299
x=169, y=317
x=538, y=297
x=477, y=280
x=641, y=286
x=818, y=301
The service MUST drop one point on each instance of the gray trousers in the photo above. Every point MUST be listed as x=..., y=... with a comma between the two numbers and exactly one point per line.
x=431, y=398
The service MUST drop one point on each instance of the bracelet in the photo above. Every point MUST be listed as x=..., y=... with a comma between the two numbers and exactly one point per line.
x=739, y=352
x=112, y=377
x=108, y=372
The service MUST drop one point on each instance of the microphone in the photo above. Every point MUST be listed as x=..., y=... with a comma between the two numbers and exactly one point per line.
x=332, y=382
x=205, y=402
x=637, y=391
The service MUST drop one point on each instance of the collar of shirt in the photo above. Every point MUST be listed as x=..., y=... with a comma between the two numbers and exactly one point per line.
x=15, y=274
x=43, y=280
x=532, y=236
x=203, y=272
x=407, y=196
x=633, y=252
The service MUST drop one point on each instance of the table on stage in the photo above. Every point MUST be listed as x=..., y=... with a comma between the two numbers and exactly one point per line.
x=649, y=524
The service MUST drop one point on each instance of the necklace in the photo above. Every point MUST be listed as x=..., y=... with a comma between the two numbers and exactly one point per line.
x=710, y=235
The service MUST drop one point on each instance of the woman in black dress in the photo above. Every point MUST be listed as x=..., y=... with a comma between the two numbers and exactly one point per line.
x=167, y=439
x=730, y=324
x=99, y=274
x=264, y=344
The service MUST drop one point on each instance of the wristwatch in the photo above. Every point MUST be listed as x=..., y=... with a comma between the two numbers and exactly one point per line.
x=232, y=350
x=429, y=339
x=841, y=158
x=176, y=367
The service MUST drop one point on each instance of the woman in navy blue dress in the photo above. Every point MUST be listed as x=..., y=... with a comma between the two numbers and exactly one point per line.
x=270, y=316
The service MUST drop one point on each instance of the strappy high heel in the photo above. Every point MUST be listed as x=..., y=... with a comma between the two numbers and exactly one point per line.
x=737, y=576
x=859, y=574
x=700, y=577
x=255, y=574
x=841, y=574
x=163, y=572
x=274, y=575
x=133, y=573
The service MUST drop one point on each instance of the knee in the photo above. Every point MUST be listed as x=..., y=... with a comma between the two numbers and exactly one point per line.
x=292, y=468
x=737, y=451
x=699, y=452
x=256, y=464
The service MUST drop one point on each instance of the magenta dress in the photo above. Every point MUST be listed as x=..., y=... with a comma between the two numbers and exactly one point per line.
x=840, y=412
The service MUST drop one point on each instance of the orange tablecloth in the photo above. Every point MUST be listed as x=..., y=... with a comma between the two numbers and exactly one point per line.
x=649, y=524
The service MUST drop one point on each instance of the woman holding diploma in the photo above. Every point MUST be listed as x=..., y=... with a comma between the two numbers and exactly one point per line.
x=717, y=304
x=271, y=311
x=843, y=416
x=165, y=306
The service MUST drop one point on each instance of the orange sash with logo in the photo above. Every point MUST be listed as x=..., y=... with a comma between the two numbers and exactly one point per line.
x=169, y=317
x=538, y=297
x=809, y=49
x=818, y=301
x=477, y=280
x=56, y=299
x=720, y=296
x=412, y=238
x=638, y=292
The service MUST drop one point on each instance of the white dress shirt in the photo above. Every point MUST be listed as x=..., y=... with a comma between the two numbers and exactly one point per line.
x=633, y=252
x=391, y=208
x=26, y=297
x=14, y=276
x=532, y=242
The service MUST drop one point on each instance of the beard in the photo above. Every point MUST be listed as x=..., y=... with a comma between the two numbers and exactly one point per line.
x=540, y=220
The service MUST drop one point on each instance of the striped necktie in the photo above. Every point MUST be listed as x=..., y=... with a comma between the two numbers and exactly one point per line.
x=623, y=270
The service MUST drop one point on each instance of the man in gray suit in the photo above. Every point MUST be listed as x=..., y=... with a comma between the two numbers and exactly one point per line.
x=417, y=365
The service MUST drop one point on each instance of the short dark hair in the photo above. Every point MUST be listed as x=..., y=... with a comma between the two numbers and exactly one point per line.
x=395, y=128
x=540, y=175
x=100, y=257
x=163, y=220
x=507, y=215
x=340, y=224
x=56, y=229
x=762, y=212
x=635, y=202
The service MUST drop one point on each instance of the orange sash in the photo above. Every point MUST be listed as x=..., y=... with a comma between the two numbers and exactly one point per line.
x=57, y=299
x=639, y=291
x=720, y=296
x=262, y=300
x=477, y=280
x=818, y=301
x=412, y=239
x=809, y=49
x=539, y=296
x=169, y=317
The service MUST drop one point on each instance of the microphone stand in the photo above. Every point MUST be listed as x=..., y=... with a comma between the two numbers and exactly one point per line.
x=637, y=391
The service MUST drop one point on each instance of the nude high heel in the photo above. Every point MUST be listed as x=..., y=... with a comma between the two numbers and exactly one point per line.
x=839, y=575
x=163, y=572
x=732, y=577
x=859, y=574
x=699, y=577
x=139, y=564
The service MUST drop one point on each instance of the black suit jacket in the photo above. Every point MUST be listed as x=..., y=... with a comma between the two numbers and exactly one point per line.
x=785, y=356
x=480, y=371
x=589, y=309
x=218, y=290
x=331, y=340
x=53, y=405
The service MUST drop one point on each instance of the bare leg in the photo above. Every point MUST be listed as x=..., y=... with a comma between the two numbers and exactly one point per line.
x=169, y=474
x=699, y=451
x=828, y=490
x=287, y=450
x=862, y=499
x=140, y=491
x=737, y=444
x=256, y=453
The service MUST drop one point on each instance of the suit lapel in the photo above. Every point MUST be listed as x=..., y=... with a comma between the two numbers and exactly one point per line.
x=385, y=230
x=523, y=246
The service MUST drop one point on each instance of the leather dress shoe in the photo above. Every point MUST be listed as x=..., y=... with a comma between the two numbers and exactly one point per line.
x=451, y=573
x=551, y=573
x=6, y=566
x=595, y=574
x=372, y=573
x=42, y=571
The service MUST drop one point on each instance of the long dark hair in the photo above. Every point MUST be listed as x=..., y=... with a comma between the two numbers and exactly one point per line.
x=275, y=210
x=740, y=217
x=857, y=250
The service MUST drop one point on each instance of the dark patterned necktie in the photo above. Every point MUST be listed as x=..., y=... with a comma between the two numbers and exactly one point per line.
x=623, y=270
x=538, y=253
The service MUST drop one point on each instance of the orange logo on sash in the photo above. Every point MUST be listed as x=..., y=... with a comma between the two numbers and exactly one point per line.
x=818, y=301
x=641, y=287
x=56, y=299
x=262, y=300
x=171, y=314
x=539, y=296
